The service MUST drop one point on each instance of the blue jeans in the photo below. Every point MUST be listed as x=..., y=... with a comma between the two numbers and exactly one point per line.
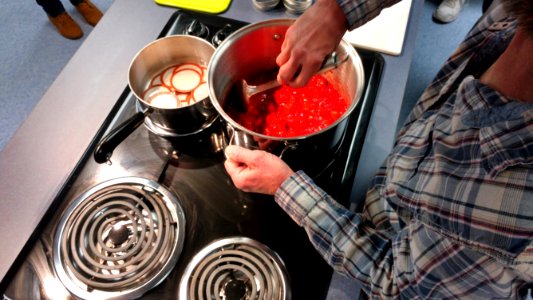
x=54, y=7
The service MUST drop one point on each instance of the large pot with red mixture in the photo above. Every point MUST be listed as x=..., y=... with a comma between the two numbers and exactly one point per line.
x=312, y=117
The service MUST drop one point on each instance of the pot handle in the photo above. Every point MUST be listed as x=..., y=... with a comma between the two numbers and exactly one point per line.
x=105, y=147
x=239, y=138
x=288, y=146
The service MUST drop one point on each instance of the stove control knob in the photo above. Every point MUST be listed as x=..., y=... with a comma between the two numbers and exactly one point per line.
x=222, y=34
x=197, y=28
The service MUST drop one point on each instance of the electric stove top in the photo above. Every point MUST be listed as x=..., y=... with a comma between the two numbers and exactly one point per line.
x=162, y=219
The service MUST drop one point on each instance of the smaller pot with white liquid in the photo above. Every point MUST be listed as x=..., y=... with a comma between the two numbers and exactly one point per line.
x=169, y=79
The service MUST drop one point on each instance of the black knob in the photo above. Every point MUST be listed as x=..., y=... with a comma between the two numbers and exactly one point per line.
x=222, y=34
x=197, y=28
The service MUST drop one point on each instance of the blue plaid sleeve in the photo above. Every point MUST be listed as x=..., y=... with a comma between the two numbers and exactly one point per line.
x=358, y=12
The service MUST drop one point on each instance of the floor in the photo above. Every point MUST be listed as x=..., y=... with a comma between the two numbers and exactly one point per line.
x=434, y=44
x=32, y=54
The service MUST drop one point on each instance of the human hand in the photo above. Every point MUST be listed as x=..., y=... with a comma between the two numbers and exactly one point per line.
x=313, y=36
x=256, y=170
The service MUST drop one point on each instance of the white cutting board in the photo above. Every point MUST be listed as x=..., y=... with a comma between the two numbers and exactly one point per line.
x=386, y=32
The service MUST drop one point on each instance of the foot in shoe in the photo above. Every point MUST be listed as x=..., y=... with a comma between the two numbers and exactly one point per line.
x=448, y=10
x=66, y=26
x=89, y=11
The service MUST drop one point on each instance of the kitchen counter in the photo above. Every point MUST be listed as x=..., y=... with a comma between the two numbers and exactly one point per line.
x=38, y=160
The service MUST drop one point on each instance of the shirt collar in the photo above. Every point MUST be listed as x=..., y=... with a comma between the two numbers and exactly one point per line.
x=505, y=126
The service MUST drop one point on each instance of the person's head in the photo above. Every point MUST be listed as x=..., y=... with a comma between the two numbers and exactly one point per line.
x=523, y=11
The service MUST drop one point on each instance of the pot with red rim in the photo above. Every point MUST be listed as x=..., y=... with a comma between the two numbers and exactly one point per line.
x=169, y=79
x=250, y=53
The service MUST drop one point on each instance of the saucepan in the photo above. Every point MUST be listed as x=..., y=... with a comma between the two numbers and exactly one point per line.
x=250, y=53
x=168, y=77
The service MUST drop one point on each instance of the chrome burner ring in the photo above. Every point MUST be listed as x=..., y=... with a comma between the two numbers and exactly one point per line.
x=118, y=239
x=235, y=268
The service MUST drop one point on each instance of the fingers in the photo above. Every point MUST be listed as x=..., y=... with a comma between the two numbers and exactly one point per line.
x=287, y=71
x=239, y=155
x=255, y=170
x=296, y=73
x=235, y=171
x=297, y=65
x=234, y=167
x=283, y=56
x=313, y=35
x=242, y=173
x=307, y=71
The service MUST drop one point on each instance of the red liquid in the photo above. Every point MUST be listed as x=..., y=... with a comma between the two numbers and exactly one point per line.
x=290, y=112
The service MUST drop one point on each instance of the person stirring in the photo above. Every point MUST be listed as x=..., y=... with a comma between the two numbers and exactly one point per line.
x=449, y=215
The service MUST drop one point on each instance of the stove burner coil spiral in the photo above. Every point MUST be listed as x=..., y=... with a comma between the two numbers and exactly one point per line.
x=119, y=239
x=235, y=268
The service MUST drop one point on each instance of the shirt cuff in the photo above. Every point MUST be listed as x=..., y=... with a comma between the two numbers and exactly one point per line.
x=348, y=10
x=298, y=195
x=359, y=12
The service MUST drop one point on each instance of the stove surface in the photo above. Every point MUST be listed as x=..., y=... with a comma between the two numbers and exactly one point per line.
x=190, y=169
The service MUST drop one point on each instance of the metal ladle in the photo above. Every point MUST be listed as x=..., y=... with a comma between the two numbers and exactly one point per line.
x=330, y=62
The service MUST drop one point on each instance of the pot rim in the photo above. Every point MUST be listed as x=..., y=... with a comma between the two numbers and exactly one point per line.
x=235, y=36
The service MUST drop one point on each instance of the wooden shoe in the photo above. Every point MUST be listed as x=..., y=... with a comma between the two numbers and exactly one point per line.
x=90, y=12
x=66, y=26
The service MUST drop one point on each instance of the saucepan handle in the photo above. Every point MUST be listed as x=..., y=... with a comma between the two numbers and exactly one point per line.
x=239, y=138
x=288, y=146
x=243, y=139
x=105, y=147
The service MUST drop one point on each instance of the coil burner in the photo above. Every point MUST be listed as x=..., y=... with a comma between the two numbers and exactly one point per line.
x=233, y=269
x=119, y=239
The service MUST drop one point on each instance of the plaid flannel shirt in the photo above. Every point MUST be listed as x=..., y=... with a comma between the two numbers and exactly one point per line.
x=449, y=215
x=359, y=12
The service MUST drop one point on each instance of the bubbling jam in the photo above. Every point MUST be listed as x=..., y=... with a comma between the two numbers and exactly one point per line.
x=289, y=112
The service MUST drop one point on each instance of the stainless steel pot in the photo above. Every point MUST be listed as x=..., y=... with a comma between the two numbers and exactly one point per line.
x=149, y=61
x=251, y=51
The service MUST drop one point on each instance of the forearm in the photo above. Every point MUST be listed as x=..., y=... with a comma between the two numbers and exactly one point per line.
x=348, y=241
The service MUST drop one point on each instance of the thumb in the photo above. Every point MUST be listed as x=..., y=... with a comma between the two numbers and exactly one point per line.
x=238, y=154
